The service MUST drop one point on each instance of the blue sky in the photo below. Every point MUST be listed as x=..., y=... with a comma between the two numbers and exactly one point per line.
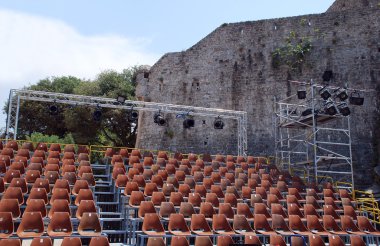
x=44, y=38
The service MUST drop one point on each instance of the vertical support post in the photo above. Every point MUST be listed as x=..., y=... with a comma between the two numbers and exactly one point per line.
x=16, y=120
x=312, y=87
x=9, y=116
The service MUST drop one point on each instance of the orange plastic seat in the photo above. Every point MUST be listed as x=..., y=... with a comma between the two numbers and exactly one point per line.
x=52, y=176
x=251, y=239
x=365, y=225
x=19, y=182
x=89, y=225
x=335, y=241
x=79, y=184
x=68, y=168
x=17, y=166
x=220, y=225
x=62, y=184
x=31, y=225
x=243, y=209
x=51, y=168
x=32, y=175
x=36, y=159
x=262, y=226
x=41, y=146
x=27, y=145
x=14, y=193
x=152, y=225
x=195, y=199
x=55, y=147
x=12, y=206
x=199, y=225
x=59, y=193
x=10, y=242
x=6, y=225
x=330, y=225
x=70, y=177
x=60, y=225
x=68, y=155
x=176, y=198
x=357, y=241
x=85, y=206
x=59, y=205
x=315, y=226
x=84, y=169
x=8, y=152
x=69, y=148
x=177, y=225
x=2, y=185
x=121, y=181
x=179, y=241
x=10, y=174
x=166, y=209
x=71, y=241
x=89, y=177
x=145, y=208
x=83, y=157
x=150, y=188
x=242, y=226
x=99, y=241
x=276, y=240
x=155, y=241
x=207, y=209
x=224, y=240
x=84, y=194
x=36, y=205
x=280, y=226
x=42, y=183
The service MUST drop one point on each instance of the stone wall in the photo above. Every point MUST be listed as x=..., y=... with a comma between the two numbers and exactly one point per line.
x=233, y=68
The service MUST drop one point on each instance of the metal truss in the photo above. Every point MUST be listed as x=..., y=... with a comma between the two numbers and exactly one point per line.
x=15, y=97
x=311, y=142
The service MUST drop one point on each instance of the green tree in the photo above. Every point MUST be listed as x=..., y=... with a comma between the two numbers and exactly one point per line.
x=114, y=128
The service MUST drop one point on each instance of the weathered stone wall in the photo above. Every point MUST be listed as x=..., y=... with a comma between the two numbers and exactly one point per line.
x=232, y=68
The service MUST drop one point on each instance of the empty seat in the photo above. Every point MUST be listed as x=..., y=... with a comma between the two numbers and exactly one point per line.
x=296, y=225
x=62, y=184
x=70, y=177
x=330, y=225
x=89, y=177
x=28, y=145
x=166, y=209
x=59, y=193
x=251, y=239
x=6, y=224
x=349, y=226
x=152, y=225
x=177, y=225
x=99, y=241
x=41, y=146
x=52, y=176
x=12, y=206
x=14, y=193
x=280, y=226
x=10, y=174
x=89, y=225
x=220, y=225
x=59, y=205
x=55, y=147
x=155, y=241
x=31, y=225
x=187, y=210
x=365, y=225
x=85, y=206
x=42, y=183
x=157, y=198
x=207, y=209
x=199, y=225
x=356, y=241
x=195, y=199
x=145, y=208
x=32, y=175
x=315, y=226
x=224, y=240
x=10, y=242
x=135, y=199
x=243, y=209
x=60, y=225
x=276, y=240
x=19, y=182
x=84, y=194
x=36, y=205
x=72, y=241
x=242, y=226
x=79, y=184
x=335, y=241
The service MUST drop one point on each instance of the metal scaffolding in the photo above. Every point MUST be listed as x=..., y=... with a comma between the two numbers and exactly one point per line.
x=15, y=97
x=311, y=141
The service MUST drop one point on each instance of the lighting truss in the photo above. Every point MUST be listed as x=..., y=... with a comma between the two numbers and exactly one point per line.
x=15, y=97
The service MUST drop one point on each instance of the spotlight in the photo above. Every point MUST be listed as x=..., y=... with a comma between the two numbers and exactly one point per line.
x=330, y=108
x=53, y=109
x=301, y=94
x=344, y=109
x=188, y=123
x=356, y=99
x=341, y=94
x=325, y=94
x=218, y=124
x=307, y=112
x=159, y=119
x=97, y=115
x=327, y=75
x=120, y=99
x=134, y=115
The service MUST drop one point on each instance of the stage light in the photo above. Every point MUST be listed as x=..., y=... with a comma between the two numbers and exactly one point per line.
x=53, y=109
x=120, y=99
x=341, y=94
x=188, y=123
x=344, y=109
x=307, y=112
x=97, y=115
x=330, y=108
x=327, y=75
x=159, y=119
x=301, y=94
x=325, y=94
x=218, y=124
x=356, y=99
x=134, y=115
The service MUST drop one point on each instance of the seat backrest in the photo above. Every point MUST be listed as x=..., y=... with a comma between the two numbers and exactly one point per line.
x=31, y=225
x=89, y=225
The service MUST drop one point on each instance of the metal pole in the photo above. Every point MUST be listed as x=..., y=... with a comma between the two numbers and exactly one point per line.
x=16, y=120
x=9, y=116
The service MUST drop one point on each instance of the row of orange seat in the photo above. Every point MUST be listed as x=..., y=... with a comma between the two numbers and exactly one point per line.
x=47, y=241
x=226, y=240
x=13, y=144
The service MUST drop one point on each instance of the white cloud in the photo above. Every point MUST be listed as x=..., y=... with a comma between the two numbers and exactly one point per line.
x=35, y=47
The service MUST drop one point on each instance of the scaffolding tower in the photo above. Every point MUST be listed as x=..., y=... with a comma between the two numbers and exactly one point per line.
x=311, y=140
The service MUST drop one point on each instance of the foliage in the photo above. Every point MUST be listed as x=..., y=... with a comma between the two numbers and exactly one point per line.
x=293, y=53
x=77, y=121
x=37, y=137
